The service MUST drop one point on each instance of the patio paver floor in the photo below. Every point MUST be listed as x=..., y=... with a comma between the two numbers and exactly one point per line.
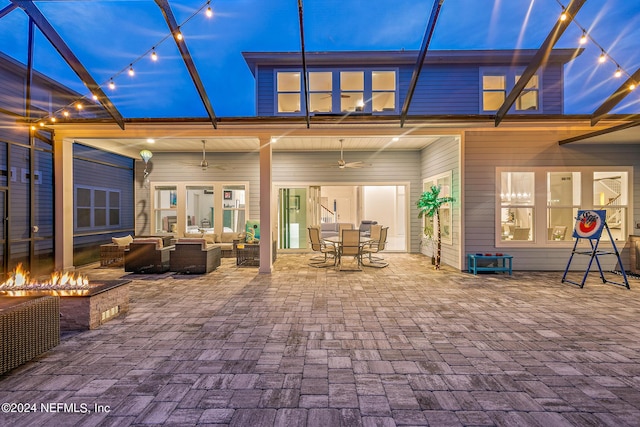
x=402, y=345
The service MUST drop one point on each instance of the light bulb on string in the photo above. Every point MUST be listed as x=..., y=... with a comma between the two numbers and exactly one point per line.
x=602, y=57
x=178, y=34
x=94, y=96
x=112, y=84
x=583, y=38
x=65, y=113
x=154, y=55
x=632, y=86
x=79, y=106
x=209, y=12
x=131, y=72
x=618, y=72
x=563, y=15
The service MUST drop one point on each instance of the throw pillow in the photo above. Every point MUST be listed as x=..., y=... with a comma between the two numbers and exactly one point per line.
x=122, y=241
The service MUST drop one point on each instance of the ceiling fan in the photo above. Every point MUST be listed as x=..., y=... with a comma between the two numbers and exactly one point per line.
x=344, y=164
x=204, y=164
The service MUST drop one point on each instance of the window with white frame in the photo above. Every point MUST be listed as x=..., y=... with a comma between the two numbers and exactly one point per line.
x=611, y=193
x=444, y=182
x=288, y=91
x=383, y=91
x=351, y=91
x=563, y=202
x=517, y=201
x=367, y=91
x=528, y=98
x=320, y=87
x=564, y=191
x=210, y=207
x=497, y=82
x=494, y=91
x=96, y=207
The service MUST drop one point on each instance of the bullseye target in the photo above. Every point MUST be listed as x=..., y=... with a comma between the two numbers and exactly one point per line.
x=589, y=224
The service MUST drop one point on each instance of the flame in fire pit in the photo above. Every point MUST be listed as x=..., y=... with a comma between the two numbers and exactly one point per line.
x=19, y=280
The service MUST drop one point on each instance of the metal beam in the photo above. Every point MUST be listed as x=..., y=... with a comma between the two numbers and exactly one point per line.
x=615, y=98
x=600, y=132
x=304, y=63
x=539, y=58
x=58, y=43
x=428, y=33
x=7, y=9
x=186, y=57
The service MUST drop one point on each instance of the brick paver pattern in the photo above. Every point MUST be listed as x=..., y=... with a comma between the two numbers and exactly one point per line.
x=402, y=345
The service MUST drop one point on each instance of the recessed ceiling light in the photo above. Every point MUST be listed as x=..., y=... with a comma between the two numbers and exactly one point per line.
x=395, y=139
x=151, y=140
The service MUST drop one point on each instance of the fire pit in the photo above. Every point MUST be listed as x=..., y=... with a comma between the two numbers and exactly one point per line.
x=83, y=305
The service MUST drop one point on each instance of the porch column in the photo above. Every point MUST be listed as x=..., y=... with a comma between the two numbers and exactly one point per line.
x=266, y=234
x=63, y=191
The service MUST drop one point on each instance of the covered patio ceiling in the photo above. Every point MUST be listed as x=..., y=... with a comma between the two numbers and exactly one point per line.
x=88, y=45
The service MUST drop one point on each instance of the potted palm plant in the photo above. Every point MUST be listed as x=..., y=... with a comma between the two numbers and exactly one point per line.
x=429, y=205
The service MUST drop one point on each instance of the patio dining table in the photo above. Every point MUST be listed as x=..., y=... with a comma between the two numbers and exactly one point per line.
x=337, y=241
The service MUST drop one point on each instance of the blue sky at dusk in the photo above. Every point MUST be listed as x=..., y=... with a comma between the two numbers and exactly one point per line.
x=107, y=36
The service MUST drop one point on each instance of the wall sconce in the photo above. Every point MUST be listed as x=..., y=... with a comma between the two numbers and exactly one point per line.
x=146, y=155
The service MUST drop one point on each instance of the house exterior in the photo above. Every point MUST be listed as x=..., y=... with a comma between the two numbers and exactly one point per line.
x=516, y=189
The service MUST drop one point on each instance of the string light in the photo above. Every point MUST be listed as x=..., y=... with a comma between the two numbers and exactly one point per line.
x=152, y=52
x=602, y=58
x=603, y=54
x=208, y=12
x=563, y=15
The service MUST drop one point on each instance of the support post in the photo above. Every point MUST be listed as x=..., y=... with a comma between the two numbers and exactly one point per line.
x=266, y=232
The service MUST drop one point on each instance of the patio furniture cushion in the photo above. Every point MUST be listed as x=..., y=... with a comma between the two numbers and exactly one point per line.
x=193, y=240
x=192, y=234
x=156, y=240
x=122, y=241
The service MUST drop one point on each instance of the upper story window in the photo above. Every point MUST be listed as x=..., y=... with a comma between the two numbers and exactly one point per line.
x=383, y=91
x=320, y=85
x=494, y=91
x=367, y=91
x=528, y=99
x=496, y=83
x=288, y=92
x=351, y=91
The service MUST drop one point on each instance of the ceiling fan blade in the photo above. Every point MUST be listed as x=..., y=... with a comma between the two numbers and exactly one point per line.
x=357, y=165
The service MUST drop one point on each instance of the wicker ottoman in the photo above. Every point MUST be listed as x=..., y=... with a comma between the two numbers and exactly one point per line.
x=29, y=326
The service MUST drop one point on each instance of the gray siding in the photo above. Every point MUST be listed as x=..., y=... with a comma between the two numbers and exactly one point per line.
x=485, y=151
x=308, y=167
x=440, y=157
x=446, y=89
x=265, y=91
x=183, y=167
x=441, y=89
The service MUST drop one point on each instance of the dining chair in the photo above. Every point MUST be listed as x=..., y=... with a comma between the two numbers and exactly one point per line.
x=375, y=247
x=318, y=245
x=350, y=247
